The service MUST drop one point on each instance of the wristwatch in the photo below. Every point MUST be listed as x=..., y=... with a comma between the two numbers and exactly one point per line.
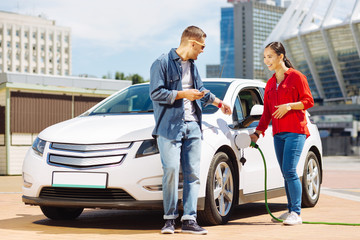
x=288, y=107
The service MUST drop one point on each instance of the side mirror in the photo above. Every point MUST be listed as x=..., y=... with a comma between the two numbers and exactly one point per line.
x=257, y=110
x=255, y=115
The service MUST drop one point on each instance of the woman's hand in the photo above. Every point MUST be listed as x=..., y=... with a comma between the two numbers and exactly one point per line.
x=255, y=136
x=280, y=111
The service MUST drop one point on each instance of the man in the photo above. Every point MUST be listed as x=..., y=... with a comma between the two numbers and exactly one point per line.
x=176, y=89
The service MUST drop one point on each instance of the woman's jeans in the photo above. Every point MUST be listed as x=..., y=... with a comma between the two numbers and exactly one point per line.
x=186, y=152
x=288, y=148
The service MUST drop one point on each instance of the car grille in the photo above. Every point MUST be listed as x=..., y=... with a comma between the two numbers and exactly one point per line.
x=87, y=155
x=83, y=162
x=85, y=194
x=90, y=147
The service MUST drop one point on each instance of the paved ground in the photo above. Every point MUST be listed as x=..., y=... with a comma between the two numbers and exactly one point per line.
x=339, y=202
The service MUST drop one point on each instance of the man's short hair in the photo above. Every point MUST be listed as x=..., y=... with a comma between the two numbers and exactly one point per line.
x=193, y=32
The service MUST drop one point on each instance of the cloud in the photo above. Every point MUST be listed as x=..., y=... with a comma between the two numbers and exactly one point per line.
x=127, y=35
x=126, y=24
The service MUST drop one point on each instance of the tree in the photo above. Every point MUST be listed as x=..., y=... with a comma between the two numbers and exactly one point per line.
x=119, y=76
x=136, y=78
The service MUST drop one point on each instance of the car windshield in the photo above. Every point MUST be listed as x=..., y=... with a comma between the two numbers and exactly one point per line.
x=136, y=99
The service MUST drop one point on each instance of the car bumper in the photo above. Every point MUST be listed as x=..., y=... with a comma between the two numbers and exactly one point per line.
x=148, y=205
x=124, y=205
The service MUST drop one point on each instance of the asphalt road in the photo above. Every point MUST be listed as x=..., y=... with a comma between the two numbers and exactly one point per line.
x=339, y=202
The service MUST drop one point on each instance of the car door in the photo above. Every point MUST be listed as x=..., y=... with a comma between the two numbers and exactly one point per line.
x=252, y=172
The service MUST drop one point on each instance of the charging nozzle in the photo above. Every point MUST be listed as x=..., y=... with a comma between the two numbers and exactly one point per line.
x=254, y=145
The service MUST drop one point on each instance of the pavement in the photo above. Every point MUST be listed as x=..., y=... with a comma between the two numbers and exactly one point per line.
x=339, y=202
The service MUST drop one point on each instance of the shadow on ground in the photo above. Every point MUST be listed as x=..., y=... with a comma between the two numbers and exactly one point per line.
x=124, y=221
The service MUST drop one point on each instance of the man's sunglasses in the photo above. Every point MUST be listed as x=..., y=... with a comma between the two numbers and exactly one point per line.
x=201, y=44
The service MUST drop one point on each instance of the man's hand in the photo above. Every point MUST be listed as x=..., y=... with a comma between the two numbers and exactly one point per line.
x=191, y=94
x=226, y=109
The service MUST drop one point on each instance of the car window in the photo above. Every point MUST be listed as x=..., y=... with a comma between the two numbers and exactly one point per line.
x=245, y=100
x=136, y=99
x=217, y=88
x=133, y=99
x=237, y=111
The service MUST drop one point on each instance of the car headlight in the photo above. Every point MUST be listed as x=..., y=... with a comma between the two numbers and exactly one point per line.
x=39, y=146
x=148, y=147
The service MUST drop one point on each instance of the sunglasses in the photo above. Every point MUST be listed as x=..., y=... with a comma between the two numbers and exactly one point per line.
x=201, y=44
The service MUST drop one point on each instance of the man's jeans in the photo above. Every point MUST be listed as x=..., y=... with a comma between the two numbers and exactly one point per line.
x=187, y=153
x=288, y=148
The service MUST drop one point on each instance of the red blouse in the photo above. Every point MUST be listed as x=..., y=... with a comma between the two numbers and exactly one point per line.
x=293, y=88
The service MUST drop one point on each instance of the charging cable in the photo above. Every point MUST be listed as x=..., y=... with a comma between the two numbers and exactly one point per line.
x=254, y=145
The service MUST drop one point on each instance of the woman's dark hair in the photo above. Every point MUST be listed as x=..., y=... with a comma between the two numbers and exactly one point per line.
x=279, y=49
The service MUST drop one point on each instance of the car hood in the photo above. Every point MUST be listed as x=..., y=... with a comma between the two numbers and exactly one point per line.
x=101, y=129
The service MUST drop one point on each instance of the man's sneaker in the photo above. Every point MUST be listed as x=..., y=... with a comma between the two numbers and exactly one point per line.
x=169, y=227
x=282, y=217
x=191, y=226
x=293, y=219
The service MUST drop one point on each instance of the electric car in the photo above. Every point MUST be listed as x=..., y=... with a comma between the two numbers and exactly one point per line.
x=107, y=157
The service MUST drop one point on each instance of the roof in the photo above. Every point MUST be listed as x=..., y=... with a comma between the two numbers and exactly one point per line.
x=305, y=16
x=61, y=83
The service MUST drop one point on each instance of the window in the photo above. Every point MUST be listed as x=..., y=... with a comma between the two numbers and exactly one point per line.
x=245, y=100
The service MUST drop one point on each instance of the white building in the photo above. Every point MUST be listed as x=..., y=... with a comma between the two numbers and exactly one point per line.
x=34, y=45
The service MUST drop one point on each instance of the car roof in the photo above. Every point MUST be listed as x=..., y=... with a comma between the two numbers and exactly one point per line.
x=230, y=80
x=225, y=80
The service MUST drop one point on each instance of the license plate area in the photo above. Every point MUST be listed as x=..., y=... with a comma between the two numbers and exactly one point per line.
x=79, y=179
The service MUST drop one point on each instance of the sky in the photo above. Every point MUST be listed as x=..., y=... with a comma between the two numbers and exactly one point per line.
x=127, y=35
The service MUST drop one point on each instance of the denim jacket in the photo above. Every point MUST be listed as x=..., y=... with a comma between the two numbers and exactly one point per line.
x=165, y=82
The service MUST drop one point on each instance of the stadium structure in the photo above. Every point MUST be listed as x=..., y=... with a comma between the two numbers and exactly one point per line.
x=322, y=40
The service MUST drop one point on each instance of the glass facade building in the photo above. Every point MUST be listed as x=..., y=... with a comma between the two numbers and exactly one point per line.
x=244, y=29
x=227, y=43
x=322, y=39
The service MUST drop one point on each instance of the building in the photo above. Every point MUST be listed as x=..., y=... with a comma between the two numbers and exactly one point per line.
x=322, y=40
x=213, y=71
x=30, y=102
x=324, y=44
x=244, y=29
x=227, y=51
x=283, y=3
x=34, y=45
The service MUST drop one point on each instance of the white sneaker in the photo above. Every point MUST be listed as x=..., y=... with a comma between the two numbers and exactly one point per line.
x=282, y=217
x=293, y=219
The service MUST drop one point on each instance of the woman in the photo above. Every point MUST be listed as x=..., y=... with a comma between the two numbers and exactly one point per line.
x=287, y=96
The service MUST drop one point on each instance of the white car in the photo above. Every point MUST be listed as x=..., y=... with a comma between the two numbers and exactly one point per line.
x=107, y=158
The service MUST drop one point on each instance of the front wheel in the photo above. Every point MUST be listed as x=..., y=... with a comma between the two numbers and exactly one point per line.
x=311, y=181
x=221, y=191
x=61, y=213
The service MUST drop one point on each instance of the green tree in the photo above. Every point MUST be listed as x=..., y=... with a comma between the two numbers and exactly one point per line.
x=119, y=76
x=136, y=78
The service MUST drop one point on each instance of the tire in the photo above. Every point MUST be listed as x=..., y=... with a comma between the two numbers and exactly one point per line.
x=311, y=181
x=220, y=198
x=61, y=213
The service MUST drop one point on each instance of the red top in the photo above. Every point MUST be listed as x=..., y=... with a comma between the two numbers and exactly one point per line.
x=293, y=88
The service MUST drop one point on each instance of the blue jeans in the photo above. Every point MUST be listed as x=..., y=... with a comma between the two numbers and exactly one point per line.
x=186, y=152
x=288, y=148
